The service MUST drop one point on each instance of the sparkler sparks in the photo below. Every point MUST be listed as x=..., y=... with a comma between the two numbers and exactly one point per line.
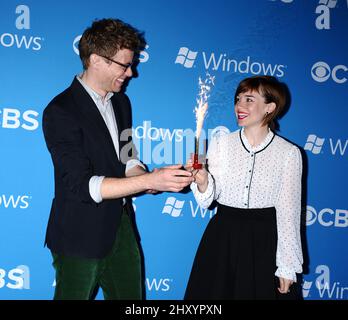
x=202, y=102
x=201, y=111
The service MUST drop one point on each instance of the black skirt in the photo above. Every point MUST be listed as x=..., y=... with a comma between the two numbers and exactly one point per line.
x=236, y=258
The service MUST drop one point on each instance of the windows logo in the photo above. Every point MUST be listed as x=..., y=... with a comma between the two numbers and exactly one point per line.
x=186, y=57
x=306, y=287
x=173, y=207
x=314, y=144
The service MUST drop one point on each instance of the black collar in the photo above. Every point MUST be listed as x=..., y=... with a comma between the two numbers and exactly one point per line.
x=241, y=140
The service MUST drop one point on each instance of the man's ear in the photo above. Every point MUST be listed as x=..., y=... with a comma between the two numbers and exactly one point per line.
x=94, y=60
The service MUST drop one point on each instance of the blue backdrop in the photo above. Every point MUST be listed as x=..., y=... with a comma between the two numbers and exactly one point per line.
x=302, y=42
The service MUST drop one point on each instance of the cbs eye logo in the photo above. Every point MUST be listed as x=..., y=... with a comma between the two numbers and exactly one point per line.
x=327, y=217
x=321, y=72
x=311, y=215
x=76, y=44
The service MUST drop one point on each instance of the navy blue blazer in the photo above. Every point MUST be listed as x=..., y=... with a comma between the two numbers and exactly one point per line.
x=81, y=147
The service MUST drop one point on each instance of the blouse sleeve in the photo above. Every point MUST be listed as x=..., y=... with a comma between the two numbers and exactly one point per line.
x=289, y=257
x=204, y=199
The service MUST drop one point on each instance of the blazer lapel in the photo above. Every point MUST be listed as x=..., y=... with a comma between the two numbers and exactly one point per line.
x=118, y=108
x=91, y=112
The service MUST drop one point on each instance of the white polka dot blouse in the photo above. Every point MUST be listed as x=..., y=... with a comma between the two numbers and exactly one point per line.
x=268, y=175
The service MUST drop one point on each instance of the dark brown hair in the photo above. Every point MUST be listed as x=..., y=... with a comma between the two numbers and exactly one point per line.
x=106, y=37
x=271, y=89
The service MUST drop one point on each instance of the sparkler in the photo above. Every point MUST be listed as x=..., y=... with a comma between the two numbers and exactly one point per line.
x=201, y=111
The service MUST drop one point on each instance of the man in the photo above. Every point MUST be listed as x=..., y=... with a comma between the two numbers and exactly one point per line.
x=90, y=230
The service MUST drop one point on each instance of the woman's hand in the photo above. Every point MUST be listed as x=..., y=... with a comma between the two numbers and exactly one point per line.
x=200, y=176
x=285, y=285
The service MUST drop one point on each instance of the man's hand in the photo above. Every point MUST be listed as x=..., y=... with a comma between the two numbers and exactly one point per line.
x=152, y=191
x=170, y=178
x=135, y=171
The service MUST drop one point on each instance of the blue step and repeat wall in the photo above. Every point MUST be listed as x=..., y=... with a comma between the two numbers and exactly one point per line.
x=302, y=42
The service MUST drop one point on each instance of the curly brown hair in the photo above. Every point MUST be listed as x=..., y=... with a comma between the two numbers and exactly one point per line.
x=106, y=37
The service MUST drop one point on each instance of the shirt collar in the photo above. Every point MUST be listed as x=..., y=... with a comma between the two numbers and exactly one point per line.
x=263, y=145
x=94, y=95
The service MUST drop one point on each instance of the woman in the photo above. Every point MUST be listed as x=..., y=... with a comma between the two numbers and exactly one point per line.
x=251, y=249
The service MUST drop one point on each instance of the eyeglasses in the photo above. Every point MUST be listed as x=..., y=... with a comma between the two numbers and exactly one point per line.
x=125, y=66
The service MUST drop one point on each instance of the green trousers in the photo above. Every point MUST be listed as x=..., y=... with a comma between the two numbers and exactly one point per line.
x=118, y=274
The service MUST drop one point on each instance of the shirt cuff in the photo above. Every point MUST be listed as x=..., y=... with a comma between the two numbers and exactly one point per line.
x=133, y=163
x=286, y=273
x=94, y=188
x=203, y=197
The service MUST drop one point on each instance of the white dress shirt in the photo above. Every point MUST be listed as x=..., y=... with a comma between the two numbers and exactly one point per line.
x=268, y=175
x=106, y=110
